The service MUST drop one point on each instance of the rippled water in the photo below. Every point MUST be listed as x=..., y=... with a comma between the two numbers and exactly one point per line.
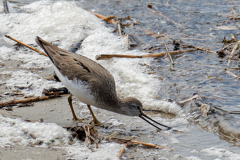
x=194, y=73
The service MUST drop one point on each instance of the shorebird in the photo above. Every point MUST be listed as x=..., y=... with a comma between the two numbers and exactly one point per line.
x=91, y=83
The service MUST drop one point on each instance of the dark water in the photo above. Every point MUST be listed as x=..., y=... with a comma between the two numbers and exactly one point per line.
x=197, y=72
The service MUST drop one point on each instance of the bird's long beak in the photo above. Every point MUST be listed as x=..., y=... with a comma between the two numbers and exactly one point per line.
x=144, y=116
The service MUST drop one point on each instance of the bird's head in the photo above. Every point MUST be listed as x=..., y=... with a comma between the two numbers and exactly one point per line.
x=133, y=107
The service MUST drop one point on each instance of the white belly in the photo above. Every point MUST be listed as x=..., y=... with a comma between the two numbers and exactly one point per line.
x=77, y=88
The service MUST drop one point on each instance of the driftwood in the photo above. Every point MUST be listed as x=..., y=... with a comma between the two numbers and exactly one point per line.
x=150, y=145
x=106, y=56
x=110, y=135
x=232, y=53
x=126, y=142
x=27, y=100
x=169, y=55
x=121, y=140
x=122, y=150
x=34, y=49
x=189, y=99
x=232, y=74
x=119, y=29
x=104, y=18
x=127, y=42
x=198, y=48
x=5, y=5
x=48, y=93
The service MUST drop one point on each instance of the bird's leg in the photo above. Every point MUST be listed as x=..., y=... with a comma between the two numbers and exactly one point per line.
x=95, y=121
x=74, y=115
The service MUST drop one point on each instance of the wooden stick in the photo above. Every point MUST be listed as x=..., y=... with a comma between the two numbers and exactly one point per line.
x=207, y=50
x=31, y=99
x=169, y=55
x=232, y=74
x=107, y=19
x=6, y=10
x=233, y=51
x=34, y=49
x=92, y=137
x=227, y=46
x=110, y=135
x=164, y=17
x=119, y=29
x=122, y=150
x=88, y=140
x=189, y=99
x=198, y=48
x=106, y=56
x=112, y=21
x=127, y=42
x=150, y=145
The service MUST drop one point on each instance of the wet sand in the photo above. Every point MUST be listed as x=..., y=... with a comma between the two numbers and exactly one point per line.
x=34, y=153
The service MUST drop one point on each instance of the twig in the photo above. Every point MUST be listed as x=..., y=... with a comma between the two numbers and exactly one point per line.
x=119, y=29
x=121, y=140
x=169, y=55
x=232, y=53
x=122, y=150
x=127, y=42
x=106, y=56
x=150, y=145
x=189, y=99
x=50, y=93
x=6, y=10
x=110, y=135
x=237, y=68
x=205, y=109
x=112, y=21
x=107, y=19
x=92, y=137
x=198, y=48
x=207, y=50
x=232, y=74
x=36, y=50
x=164, y=16
x=89, y=141
x=31, y=99
x=233, y=37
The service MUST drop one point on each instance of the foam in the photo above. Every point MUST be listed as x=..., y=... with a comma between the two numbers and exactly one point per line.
x=16, y=131
x=25, y=78
x=221, y=153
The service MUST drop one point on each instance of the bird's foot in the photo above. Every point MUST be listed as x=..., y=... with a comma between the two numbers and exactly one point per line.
x=97, y=123
x=77, y=120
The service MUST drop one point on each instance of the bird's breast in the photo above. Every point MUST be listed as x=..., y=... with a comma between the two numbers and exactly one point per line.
x=78, y=88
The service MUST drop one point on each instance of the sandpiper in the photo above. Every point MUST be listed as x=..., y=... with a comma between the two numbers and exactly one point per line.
x=91, y=83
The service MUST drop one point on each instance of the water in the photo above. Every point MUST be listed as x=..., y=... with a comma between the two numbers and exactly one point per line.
x=151, y=80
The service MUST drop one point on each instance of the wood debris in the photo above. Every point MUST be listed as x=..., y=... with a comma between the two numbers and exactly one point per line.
x=234, y=15
x=198, y=48
x=50, y=93
x=231, y=49
x=233, y=52
x=107, y=56
x=104, y=18
x=34, y=49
